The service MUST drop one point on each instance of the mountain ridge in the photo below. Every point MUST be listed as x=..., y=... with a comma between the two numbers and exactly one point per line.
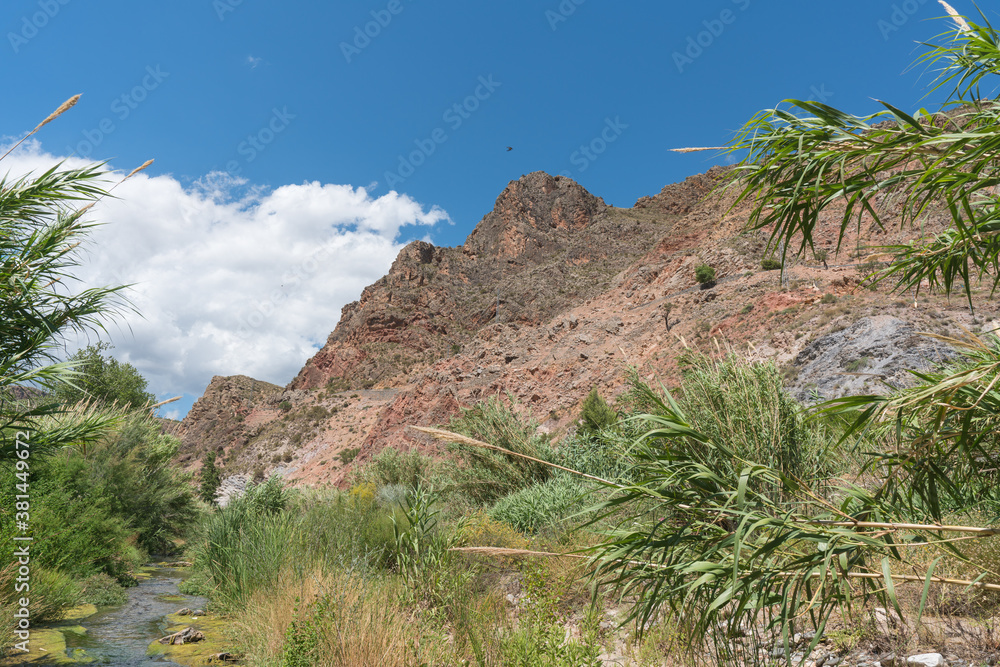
x=581, y=287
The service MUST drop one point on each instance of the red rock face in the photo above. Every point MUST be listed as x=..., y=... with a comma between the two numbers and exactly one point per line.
x=434, y=299
x=581, y=288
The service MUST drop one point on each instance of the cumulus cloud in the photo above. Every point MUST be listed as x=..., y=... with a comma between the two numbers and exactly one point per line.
x=230, y=278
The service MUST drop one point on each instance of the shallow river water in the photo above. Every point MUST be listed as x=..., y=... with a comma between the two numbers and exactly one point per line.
x=120, y=635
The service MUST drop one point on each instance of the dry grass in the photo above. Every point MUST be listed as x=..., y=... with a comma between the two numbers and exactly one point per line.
x=363, y=623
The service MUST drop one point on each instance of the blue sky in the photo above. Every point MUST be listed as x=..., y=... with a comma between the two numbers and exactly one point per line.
x=409, y=96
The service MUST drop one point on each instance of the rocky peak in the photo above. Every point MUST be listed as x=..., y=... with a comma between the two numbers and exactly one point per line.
x=564, y=244
x=531, y=215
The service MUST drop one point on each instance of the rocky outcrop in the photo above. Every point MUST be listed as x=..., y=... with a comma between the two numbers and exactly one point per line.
x=547, y=245
x=218, y=420
x=869, y=357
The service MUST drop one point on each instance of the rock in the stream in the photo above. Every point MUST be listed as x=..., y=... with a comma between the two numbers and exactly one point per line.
x=185, y=636
x=184, y=612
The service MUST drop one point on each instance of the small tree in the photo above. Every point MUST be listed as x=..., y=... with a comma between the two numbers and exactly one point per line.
x=666, y=309
x=821, y=255
x=596, y=414
x=105, y=379
x=704, y=274
x=210, y=481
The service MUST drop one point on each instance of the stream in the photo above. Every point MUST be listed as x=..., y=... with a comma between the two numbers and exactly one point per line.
x=121, y=635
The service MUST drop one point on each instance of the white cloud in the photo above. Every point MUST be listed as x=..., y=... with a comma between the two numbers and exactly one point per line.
x=231, y=279
x=253, y=62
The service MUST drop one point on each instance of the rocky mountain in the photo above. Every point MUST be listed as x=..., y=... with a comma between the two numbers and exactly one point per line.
x=554, y=293
x=547, y=244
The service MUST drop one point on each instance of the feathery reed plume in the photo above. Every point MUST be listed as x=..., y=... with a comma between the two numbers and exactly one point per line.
x=447, y=436
x=695, y=150
x=162, y=403
x=131, y=174
x=962, y=24
x=63, y=108
x=137, y=170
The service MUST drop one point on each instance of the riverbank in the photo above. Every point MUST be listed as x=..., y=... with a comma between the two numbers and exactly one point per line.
x=126, y=635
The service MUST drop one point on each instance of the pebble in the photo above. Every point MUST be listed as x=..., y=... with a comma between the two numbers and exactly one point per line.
x=927, y=660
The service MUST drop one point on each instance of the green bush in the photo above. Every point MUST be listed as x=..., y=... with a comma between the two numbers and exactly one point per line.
x=770, y=264
x=134, y=472
x=284, y=406
x=105, y=379
x=52, y=593
x=210, y=480
x=542, y=505
x=704, y=274
x=391, y=466
x=484, y=475
x=103, y=591
x=74, y=526
x=746, y=406
x=245, y=546
x=606, y=454
x=596, y=414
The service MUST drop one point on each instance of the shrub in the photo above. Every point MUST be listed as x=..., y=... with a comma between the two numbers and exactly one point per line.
x=828, y=299
x=770, y=264
x=606, y=454
x=285, y=406
x=103, y=591
x=704, y=274
x=858, y=364
x=105, y=379
x=746, y=406
x=541, y=505
x=161, y=507
x=74, y=527
x=391, y=466
x=486, y=475
x=596, y=414
x=210, y=481
x=51, y=594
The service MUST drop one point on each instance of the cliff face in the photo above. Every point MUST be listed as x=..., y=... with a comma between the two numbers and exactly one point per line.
x=217, y=420
x=547, y=245
x=581, y=285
